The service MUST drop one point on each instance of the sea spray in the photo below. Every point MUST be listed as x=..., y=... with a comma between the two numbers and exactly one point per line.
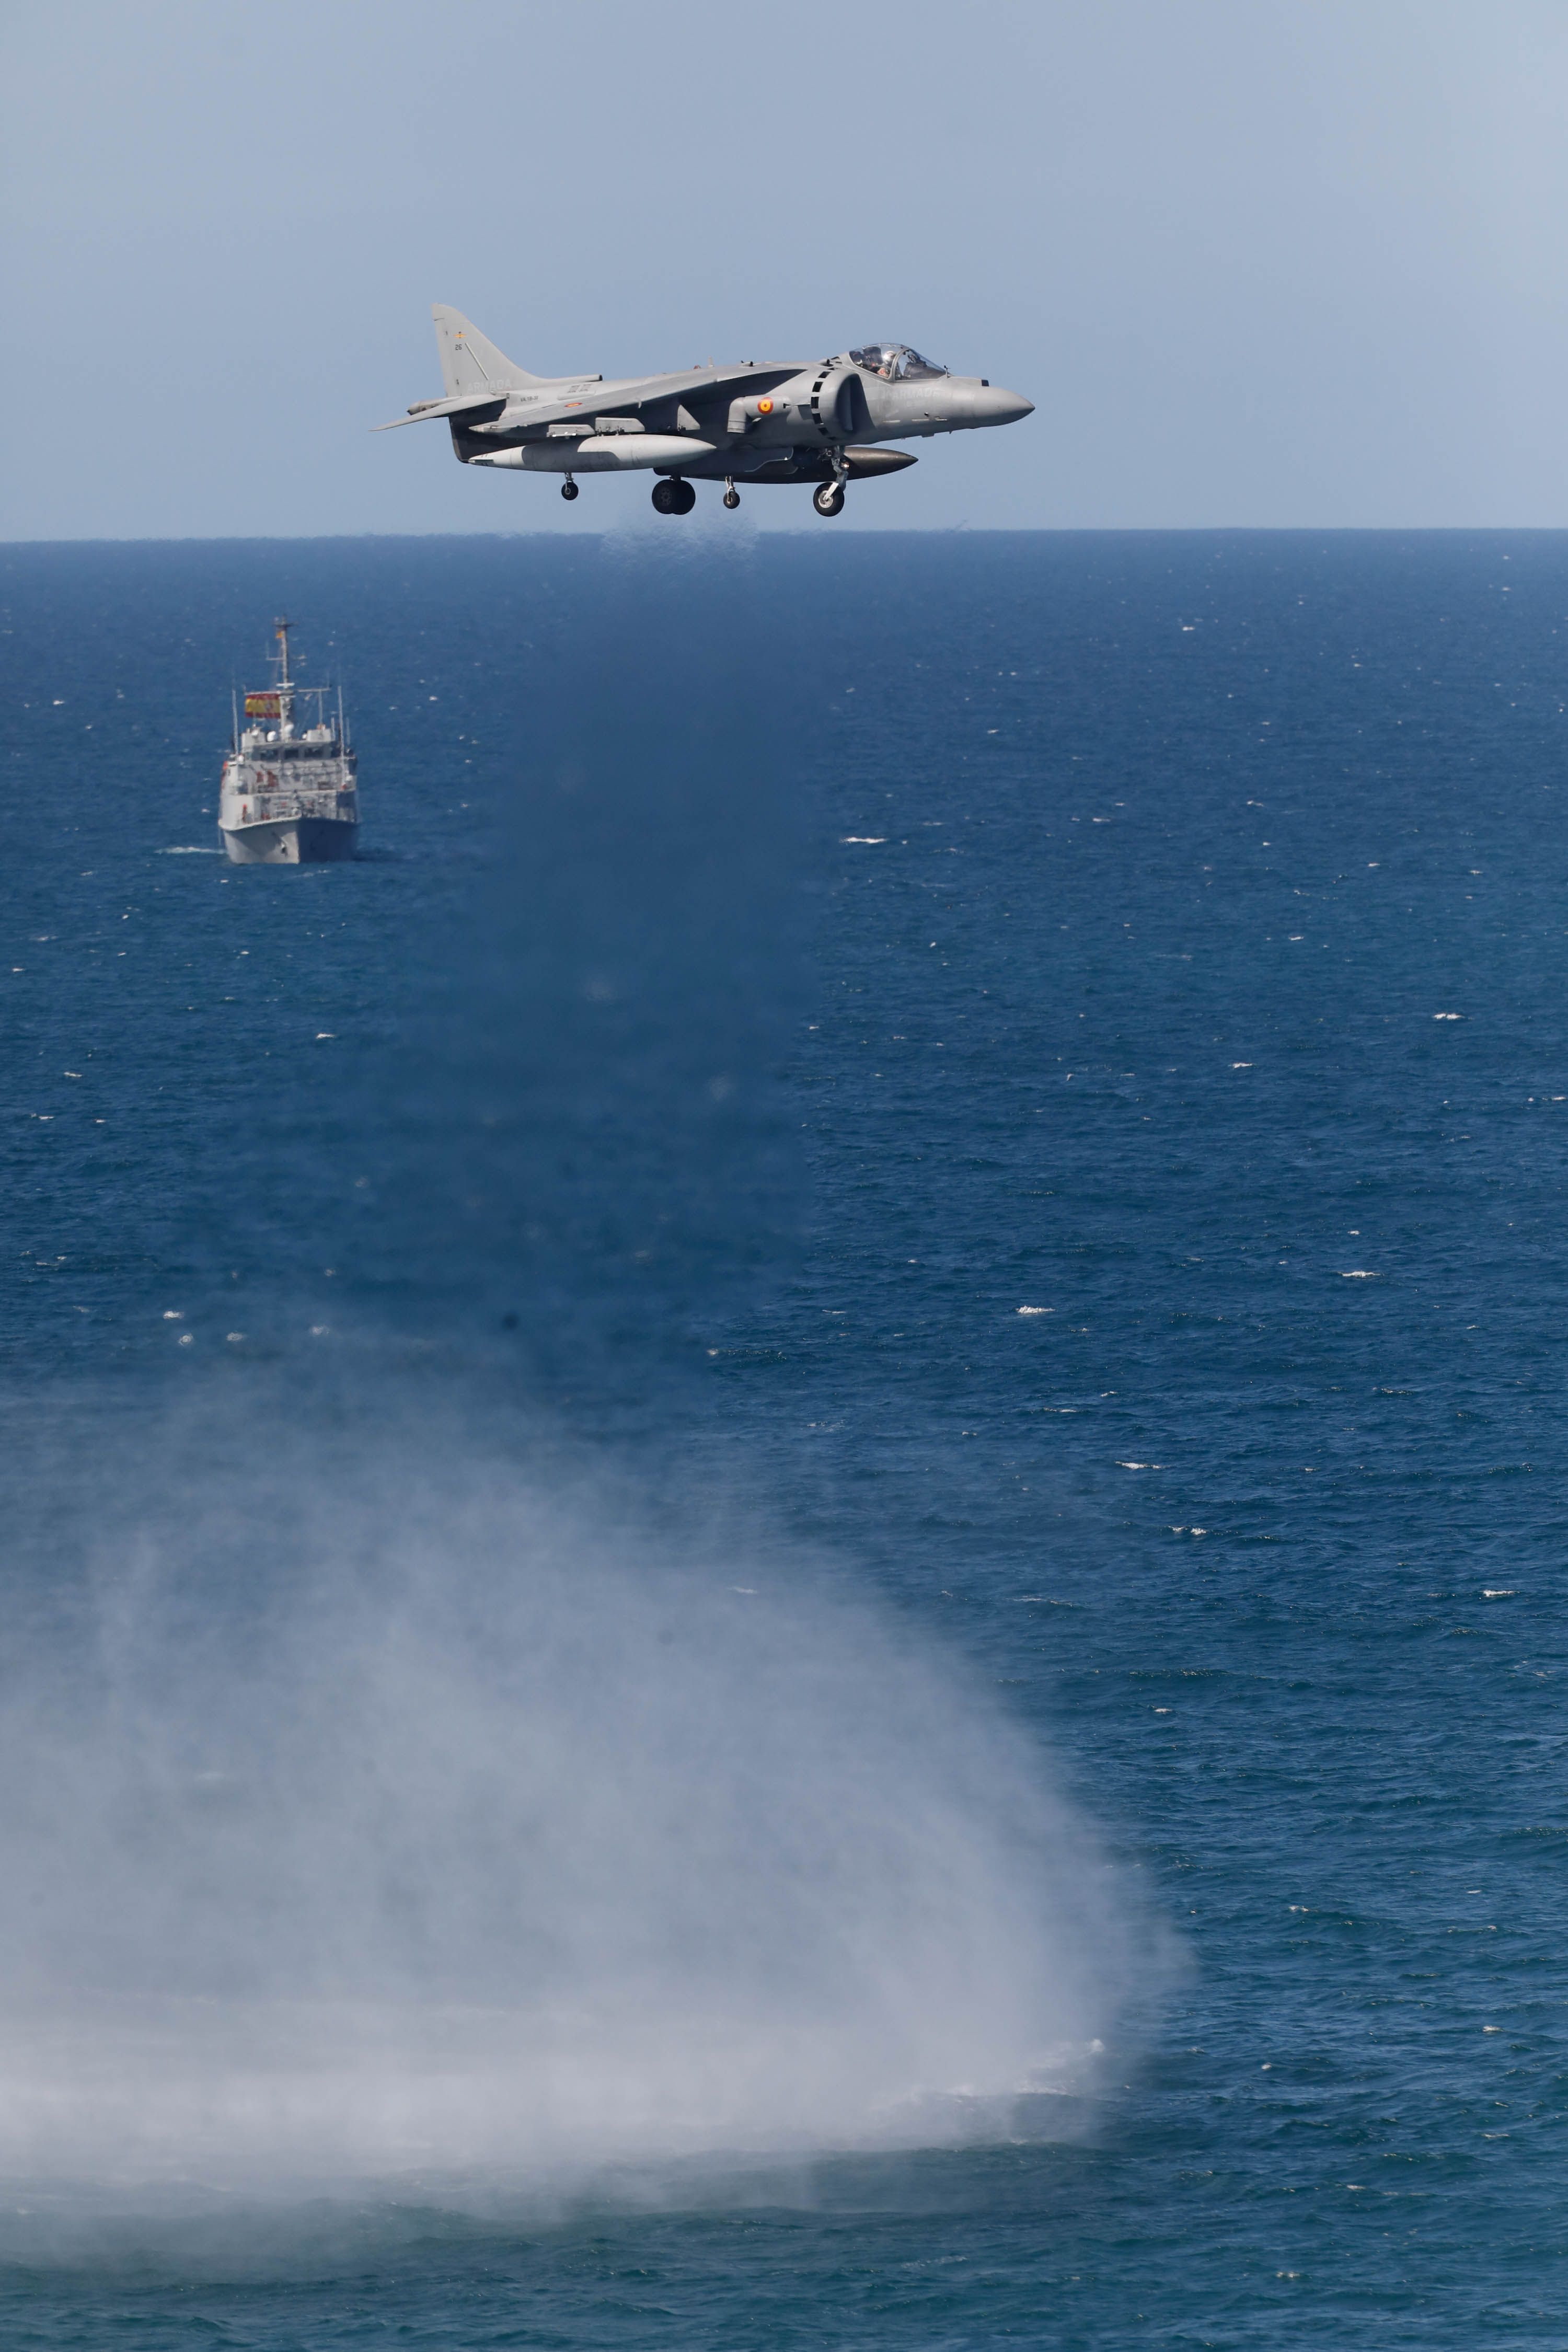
x=429, y=1818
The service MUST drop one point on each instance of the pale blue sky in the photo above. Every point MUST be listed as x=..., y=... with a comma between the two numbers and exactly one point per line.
x=1255, y=261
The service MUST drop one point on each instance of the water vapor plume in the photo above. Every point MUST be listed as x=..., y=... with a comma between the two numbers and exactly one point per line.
x=434, y=1823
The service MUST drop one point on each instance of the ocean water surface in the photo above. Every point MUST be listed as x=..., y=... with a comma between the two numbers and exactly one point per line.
x=784, y=1512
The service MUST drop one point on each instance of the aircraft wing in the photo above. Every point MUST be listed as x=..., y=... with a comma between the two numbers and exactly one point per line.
x=702, y=384
x=625, y=399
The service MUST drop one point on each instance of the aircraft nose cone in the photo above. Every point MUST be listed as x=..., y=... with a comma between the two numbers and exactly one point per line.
x=999, y=408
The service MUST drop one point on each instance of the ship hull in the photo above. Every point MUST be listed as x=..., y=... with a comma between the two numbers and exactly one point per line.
x=290, y=841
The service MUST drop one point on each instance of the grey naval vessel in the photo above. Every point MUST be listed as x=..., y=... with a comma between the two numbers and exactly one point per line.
x=289, y=794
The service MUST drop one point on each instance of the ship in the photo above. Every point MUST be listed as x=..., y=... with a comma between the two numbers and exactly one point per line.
x=289, y=793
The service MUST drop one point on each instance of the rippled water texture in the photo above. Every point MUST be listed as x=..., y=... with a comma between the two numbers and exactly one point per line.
x=856, y=1361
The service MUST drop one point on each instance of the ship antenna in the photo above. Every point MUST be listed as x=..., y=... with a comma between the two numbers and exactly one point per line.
x=282, y=629
x=234, y=728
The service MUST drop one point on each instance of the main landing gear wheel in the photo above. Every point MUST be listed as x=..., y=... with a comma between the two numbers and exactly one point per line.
x=732, y=495
x=829, y=499
x=568, y=487
x=674, y=498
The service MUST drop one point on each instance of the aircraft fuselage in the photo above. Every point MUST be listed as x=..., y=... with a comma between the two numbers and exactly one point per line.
x=761, y=420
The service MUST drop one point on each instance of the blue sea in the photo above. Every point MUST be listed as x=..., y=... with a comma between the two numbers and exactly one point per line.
x=784, y=1511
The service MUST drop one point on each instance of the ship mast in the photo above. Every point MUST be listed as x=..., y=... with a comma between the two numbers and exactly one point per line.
x=285, y=683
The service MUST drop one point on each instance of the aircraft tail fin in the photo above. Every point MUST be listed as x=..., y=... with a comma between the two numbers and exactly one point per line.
x=470, y=362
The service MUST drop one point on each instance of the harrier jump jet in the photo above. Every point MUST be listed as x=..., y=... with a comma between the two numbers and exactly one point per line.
x=762, y=421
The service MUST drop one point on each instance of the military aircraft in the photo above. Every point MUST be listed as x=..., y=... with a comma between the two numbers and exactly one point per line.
x=762, y=421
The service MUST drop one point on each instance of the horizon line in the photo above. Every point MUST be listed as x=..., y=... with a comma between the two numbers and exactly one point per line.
x=644, y=535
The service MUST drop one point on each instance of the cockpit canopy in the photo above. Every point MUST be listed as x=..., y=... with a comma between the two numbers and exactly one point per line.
x=894, y=363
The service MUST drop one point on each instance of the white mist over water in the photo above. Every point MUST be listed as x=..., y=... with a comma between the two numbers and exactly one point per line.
x=448, y=1826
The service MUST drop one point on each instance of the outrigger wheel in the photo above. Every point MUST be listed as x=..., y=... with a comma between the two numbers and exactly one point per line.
x=732, y=495
x=568, y=487
x=829, y=499
x=674, y=497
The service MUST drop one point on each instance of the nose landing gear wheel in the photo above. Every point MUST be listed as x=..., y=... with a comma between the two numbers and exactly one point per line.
x=568, y=487
x=732, y=495
x=829, y=499
x=674, y=498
